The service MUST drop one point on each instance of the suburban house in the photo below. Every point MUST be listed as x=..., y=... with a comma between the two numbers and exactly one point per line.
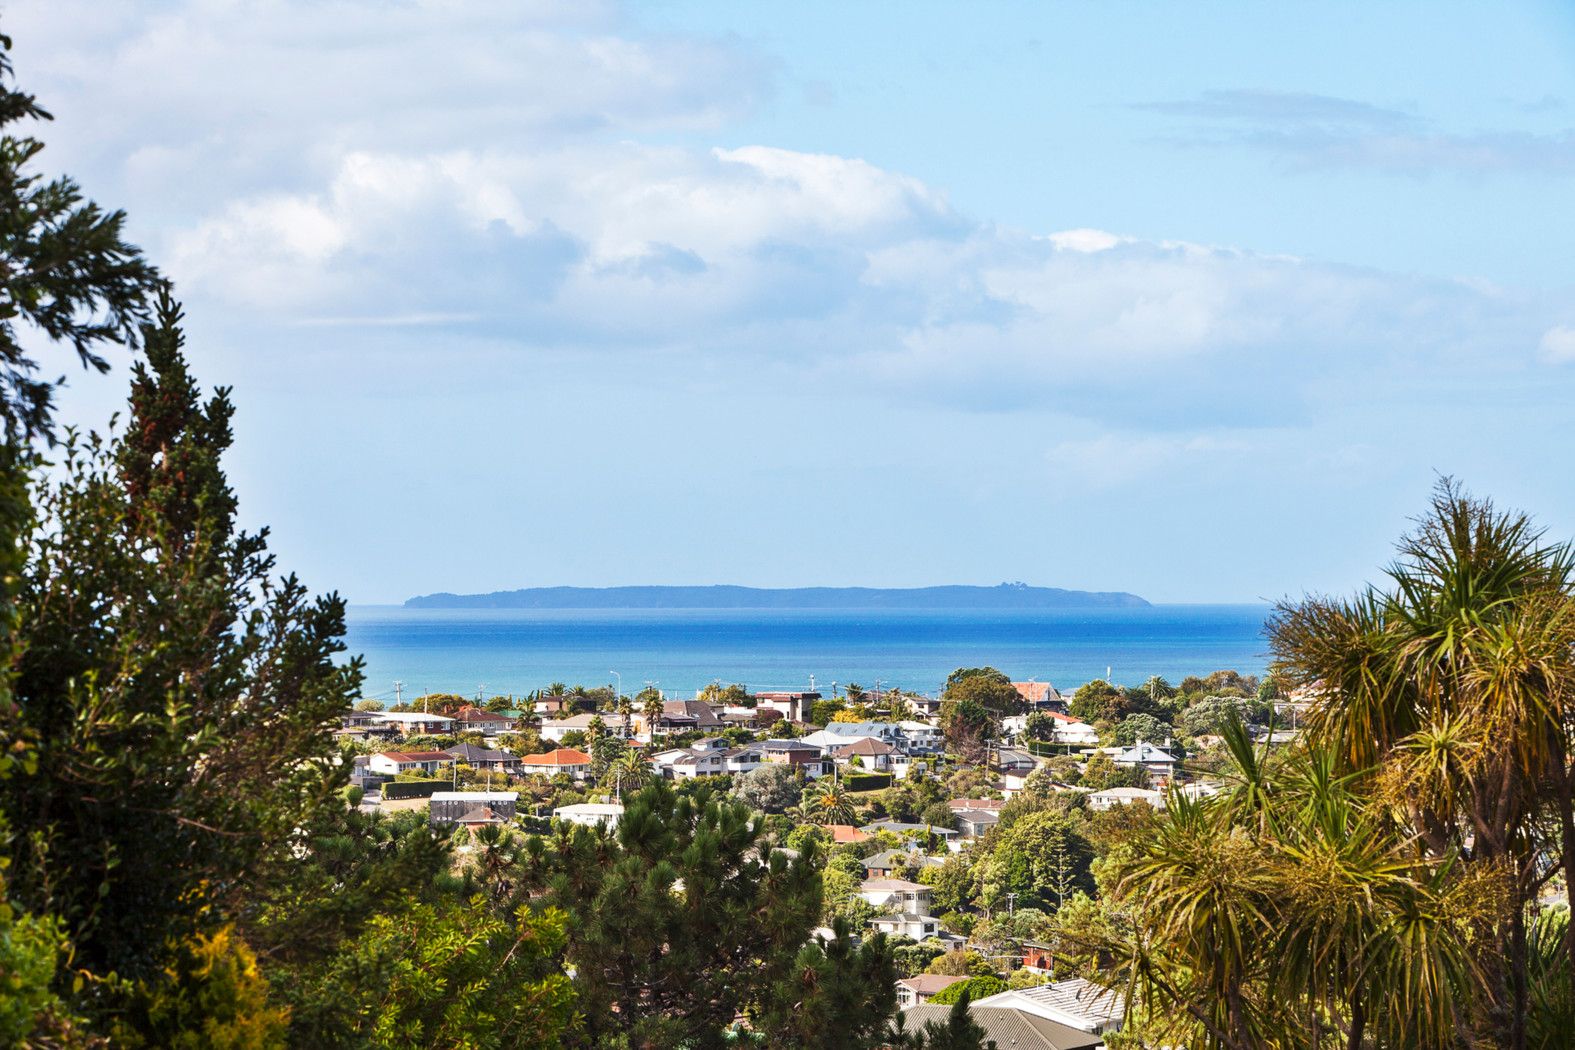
x=556, y=729
x=393, y=763
x=685, y=716
x=873, y=755
x=591, y=814
x=1099, y=801
x=1069, y=730
x=843, y=833
x=793, y=753
x=485, y=758
x=890, y=863
x=1039, y=696
x=906, y=924
x=552, y=705
x=827, y=740
x=745, y=759
x=975, y=822
x=897, y=895
x=477, y=720
x=920, y=736
x=1075, y=1003
x=890, y=732
x=912, y=991
x=793, y=706
x=572, y=761
x=1014, y=760
x=957, y=805
x=416, y=723
x=897, y=827
x=1160, y=764
x=1038, y=958
x=698, y=762
x=925, y=706
x=472, y=808
x=1008, y=1027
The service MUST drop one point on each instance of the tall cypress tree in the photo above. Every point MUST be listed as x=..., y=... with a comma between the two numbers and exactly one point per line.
x=178, y=693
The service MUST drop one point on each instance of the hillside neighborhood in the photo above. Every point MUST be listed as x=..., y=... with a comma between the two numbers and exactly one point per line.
x=967, y=829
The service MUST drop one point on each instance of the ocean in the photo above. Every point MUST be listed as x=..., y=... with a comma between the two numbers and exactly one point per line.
x=503, y=652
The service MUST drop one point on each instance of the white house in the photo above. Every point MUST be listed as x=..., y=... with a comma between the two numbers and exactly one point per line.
x=556, y=729
x=590, y=814
x=1159, y=763
x=919, y=927
x=393, y=763
x=1111, y=797
x=873, y=755
x=416, y=723
x=896, y=894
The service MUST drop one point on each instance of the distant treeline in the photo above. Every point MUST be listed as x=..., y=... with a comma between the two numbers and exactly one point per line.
x=1004, y=596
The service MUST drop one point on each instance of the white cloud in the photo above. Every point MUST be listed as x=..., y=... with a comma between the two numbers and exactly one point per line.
x=1558, y=345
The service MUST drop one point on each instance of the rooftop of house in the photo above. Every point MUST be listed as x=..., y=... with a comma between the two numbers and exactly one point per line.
x=903, y=916
x=846, y=833
x=1036, y=692
x=472, y=753
x=572, y=722
x=866, y=746
x=978, y=816
x=410, y=716
x=930, y=983
x=1145, y=752
x=897, y=858
x=1126, y=792
x=892, y=886
x=1079, y=1000
x=876, y=729
x=591, y=809
x=416, y=756
x=477, y=714
x=787, y=745
x=563, y=756
x=899, y=827
x=1007, y=1027
x=976, y=803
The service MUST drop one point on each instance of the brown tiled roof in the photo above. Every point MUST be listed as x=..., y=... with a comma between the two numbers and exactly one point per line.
x=930, y=983
x=417, y=756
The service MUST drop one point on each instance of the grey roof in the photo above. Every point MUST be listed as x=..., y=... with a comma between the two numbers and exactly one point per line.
x=471, y=753
x=978, y=816
x=1076, y=998
x=899, y=827
x=864, y=728
x=906, y=916
x=788, y=745
x=896, y=858
x=1145, y=752
x=1008, y=1028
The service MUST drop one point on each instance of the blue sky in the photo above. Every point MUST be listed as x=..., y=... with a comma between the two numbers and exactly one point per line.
x=1192, y=300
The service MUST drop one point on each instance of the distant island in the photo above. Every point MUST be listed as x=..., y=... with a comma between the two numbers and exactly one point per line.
x=1003, y=596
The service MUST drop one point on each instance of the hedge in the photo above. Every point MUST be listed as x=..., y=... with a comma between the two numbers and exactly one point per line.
x=867, y=781
x=412, y=789
x=977, y=988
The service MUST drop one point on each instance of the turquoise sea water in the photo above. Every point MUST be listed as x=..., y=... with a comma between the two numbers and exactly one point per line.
x=516, y=651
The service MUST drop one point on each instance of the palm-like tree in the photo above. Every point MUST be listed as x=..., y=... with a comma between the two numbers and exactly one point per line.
x=629, y=773
x=827, y=802
x=652, y=710
x=1450, y=697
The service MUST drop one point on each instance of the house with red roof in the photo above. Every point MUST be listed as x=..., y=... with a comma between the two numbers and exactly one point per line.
x=574, y=762
x=393, y=763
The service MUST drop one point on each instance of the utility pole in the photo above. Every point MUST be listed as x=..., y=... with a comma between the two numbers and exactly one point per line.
x=399, y=693
x=1011, y=903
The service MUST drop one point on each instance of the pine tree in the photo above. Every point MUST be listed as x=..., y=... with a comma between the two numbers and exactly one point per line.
x=678, y=921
